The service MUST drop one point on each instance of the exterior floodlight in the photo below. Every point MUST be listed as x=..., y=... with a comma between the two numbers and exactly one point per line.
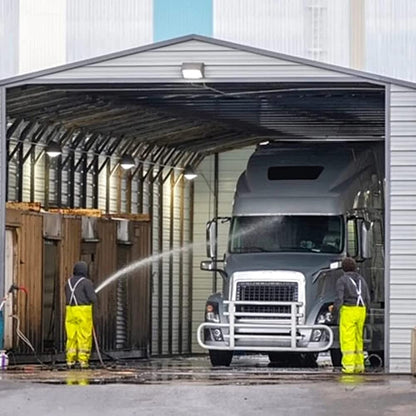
x=53, y=149
x=192, y=70
x=189, y=173
x=127, y=162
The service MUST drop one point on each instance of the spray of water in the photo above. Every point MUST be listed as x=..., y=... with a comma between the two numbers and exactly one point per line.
x=144, y=262
x=138, y=264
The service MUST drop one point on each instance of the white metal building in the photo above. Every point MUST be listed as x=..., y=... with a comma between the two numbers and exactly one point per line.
x=350, y=105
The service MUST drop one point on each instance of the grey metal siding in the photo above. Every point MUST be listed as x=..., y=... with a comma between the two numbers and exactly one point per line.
x=3, y=190
x=402, y=259
x=221, y=62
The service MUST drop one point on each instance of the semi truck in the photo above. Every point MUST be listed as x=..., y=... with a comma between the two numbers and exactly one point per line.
x=298, y=210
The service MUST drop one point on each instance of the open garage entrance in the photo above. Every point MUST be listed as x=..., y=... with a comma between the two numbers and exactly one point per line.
x=136, y=103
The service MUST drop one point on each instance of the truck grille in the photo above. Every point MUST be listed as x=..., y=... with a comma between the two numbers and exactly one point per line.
x=266, y=291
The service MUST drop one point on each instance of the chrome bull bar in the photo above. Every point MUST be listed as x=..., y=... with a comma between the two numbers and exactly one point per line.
x=284, y=322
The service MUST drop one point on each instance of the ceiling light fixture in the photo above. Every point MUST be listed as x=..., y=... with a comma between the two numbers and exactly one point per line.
x=189, y=173
x=53, y=149
x=127, y=162
x=192, y=70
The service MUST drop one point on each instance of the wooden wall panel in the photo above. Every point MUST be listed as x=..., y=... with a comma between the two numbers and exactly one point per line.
x=104, y=257
x=30, y=275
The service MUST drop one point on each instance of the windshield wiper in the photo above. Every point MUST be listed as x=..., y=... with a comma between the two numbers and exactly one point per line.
x=300, y=249
x=251, y=249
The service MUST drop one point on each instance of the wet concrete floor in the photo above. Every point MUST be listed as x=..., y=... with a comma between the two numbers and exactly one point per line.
x=244, y=370
x=189, y=385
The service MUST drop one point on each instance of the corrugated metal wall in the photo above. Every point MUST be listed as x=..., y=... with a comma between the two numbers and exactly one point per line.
x=171, y=214
x=42, y=31
x=221, y=62
x=230, y=166
x=326, y=30
x=47, y=33
x=315, y=29
x=9, y=38
x=98, y=27
x=390, y=34
x=402, y=253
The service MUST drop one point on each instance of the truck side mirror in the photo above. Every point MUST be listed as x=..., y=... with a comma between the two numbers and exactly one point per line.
x=352, y=237
x=366, y=240
x=211, y=238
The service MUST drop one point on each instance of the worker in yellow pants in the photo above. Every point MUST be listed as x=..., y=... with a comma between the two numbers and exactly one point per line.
x=351, y=328
x=80, y=296
x=351, y=303
x=78, y=326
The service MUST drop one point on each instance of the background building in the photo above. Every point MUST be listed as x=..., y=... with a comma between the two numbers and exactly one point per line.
x=377, y=36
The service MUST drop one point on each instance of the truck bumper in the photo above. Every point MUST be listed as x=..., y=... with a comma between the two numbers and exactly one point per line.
x=274, y=338
x=264, y=331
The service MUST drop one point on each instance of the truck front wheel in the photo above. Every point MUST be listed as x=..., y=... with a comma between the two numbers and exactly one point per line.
x=220, y=358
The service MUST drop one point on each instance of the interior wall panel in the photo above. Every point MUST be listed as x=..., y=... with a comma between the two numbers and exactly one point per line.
x=231, y=165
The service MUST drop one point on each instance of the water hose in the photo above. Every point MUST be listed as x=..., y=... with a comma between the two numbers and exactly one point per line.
x=97, y=347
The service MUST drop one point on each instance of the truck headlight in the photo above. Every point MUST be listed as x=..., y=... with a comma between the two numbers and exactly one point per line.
x=217, y=334
x=324, y=318
x=211, y=312
x=316, y=335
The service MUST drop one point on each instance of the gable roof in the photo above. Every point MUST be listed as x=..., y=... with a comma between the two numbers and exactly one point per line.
x=247, y=95
x=194, y=41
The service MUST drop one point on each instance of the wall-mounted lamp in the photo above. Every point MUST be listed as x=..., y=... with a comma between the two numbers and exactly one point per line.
x=192, y=70
x=127, y=162
x=189, y=173
x=53, y=149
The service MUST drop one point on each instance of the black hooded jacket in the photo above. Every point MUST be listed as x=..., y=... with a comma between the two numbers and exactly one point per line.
x=347, y=293
x=84, y=291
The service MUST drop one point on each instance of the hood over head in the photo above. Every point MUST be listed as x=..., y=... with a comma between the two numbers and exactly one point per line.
x=81, y=269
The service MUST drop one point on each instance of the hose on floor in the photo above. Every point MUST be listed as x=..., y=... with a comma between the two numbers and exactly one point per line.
x=97, y=348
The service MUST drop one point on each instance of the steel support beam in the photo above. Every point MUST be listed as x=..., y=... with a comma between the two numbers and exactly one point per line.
x=3, y=171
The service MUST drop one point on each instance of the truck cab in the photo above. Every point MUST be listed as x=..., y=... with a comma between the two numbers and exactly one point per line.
x=298, y=210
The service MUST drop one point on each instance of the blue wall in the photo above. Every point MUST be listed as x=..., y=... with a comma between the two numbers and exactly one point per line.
x=173, y=18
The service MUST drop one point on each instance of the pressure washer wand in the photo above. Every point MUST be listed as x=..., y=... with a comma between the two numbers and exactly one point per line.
x=12, y=288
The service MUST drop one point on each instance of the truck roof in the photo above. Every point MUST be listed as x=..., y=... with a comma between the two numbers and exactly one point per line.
x=305, y=178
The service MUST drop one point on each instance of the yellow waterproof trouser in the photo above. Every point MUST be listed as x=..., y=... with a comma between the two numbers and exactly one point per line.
x=78, y=326
x=351, y=328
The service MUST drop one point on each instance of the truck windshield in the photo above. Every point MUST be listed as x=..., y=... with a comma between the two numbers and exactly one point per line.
x=291, y=233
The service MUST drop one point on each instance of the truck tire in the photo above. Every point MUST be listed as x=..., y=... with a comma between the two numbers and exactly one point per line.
x=308, y=359
x=277, y=357
x=290, y=359
x=220, y=358
x=376, y=359
x=336, y=357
